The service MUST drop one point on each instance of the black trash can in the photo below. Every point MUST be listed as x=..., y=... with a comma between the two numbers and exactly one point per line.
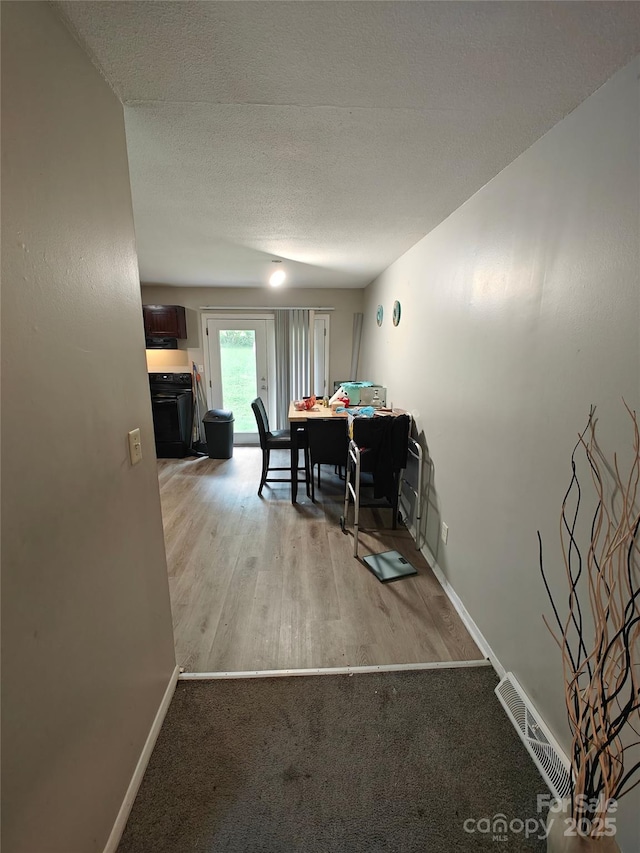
x=218, y=428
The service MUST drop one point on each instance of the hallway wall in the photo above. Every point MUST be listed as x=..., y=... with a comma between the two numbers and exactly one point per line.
x=87, y=644
x=518, y=312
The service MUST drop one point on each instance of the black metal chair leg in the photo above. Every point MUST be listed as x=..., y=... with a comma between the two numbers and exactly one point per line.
x=265, y=469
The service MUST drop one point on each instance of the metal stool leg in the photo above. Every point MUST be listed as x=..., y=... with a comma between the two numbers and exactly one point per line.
x=356, y=501
x=353, y=469
x=345, y=510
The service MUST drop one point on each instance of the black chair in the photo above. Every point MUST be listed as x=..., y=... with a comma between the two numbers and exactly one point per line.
x=278, y=439
x=328, y=445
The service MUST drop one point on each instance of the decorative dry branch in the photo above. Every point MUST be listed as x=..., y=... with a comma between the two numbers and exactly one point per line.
x=600, y=660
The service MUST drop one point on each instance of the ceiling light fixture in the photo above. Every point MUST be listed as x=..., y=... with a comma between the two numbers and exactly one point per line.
x=278, y=276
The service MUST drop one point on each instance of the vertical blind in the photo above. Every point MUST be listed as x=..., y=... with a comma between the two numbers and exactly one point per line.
x=282, y=322
x=294, y=357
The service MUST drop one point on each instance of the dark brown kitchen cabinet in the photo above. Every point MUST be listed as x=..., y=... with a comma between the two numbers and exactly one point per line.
x=164, y=321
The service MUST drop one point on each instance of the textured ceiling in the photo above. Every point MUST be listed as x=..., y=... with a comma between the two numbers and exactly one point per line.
x=333, y=135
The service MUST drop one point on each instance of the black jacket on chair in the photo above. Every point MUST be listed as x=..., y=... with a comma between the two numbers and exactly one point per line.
x=386, y=441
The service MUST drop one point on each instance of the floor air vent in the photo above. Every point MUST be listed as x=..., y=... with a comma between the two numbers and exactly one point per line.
x=540, y=743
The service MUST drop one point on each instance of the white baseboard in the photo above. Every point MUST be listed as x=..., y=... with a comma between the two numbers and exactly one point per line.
x=331, y=670
x=141, y=766
x=462, y=611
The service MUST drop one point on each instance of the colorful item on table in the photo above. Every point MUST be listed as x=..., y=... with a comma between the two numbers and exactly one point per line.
x=365, y=411
x=304, y=405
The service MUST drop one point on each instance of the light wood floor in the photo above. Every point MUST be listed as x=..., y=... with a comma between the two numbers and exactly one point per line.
x=257, y=583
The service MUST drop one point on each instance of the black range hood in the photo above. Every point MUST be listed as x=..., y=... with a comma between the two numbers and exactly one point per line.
x=161, y=343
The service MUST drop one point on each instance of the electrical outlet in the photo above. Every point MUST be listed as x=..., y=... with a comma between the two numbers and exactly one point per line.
x=444, y=532
x=135, y=446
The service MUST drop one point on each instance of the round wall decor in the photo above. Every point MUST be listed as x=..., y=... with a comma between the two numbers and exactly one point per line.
x=379, y=315
x=397, y=310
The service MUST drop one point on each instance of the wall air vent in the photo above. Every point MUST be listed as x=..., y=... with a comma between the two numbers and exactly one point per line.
x=549, y=758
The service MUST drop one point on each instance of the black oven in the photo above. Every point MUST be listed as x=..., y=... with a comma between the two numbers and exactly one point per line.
x=172, y=407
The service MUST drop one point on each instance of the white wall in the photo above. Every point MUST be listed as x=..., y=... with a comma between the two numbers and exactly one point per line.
x=86, y=624
x=345, y=302
x=519, y=311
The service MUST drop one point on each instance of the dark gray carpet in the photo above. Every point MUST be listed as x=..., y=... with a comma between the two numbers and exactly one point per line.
x=325, y=764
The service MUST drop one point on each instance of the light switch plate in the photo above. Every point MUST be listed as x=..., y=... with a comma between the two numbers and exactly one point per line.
x=135, y=446
x=444, y=532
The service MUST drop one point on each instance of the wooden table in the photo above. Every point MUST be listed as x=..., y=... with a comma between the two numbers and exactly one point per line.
x=296, y=418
